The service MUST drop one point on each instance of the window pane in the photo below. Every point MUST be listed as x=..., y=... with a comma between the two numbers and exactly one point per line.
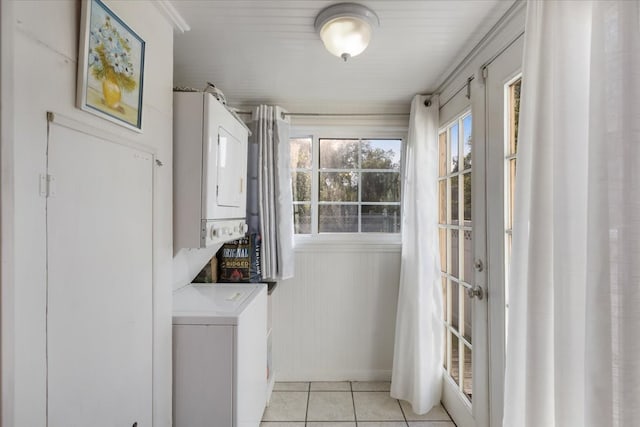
x=454, y=199
x=442, y=150
x=512, y=194
x=454, y=315
x=455, y=255
x=339, y=153
x=466, y=179
x=514, y=115
x=443, y=249
x=467, y=380
x=301, y=186
x=338, y=187
x=442, y=201
x=338, y=218
x=381, y=154
x=444, y=297
x=380, y=187
x=300, y=149
x=381, y=219
x=467, y=316
x=302, y=218
x=466, y=140
x=468, y=256
x=453, y=143
x=454, y=369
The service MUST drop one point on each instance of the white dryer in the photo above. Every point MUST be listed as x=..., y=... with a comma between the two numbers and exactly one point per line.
x=219, y=355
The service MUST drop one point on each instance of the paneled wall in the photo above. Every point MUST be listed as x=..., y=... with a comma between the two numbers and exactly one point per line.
x=44, y=60
x=336, y=319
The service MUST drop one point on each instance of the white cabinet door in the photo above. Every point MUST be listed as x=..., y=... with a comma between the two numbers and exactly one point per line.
x=99, y=282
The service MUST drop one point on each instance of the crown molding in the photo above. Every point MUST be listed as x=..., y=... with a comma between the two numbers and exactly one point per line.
x=170, y=12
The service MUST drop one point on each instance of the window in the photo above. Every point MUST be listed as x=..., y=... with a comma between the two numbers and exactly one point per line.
x=346, y=185
x=456, y=248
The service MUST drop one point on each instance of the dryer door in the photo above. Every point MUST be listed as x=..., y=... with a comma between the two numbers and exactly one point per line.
x=231, y=170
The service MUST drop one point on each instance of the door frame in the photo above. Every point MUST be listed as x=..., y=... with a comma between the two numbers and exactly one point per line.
x=7, y=324
x=510, y=62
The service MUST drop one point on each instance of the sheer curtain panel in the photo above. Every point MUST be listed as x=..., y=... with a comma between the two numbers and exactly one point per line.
x=417, y=360
x=270, y=141
x=573, y=347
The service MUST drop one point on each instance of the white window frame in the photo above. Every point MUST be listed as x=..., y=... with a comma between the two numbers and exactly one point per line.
x=330, y=131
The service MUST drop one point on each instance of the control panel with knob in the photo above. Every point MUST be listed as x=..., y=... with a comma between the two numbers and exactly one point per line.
x=221, y=231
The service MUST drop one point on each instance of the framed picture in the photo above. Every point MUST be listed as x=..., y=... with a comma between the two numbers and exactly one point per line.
x=110, y=67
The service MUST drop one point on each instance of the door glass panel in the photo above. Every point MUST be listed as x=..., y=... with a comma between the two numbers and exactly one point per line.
x=453, y=183
x=443, y=249
x=442, y=154
x=455, y=253
x=466, y=179
x=468, y=256
x=467, y=378
x=453, y=144
x=443, y=201
x=444, y=297
x=455, y=306
x=468, y=318
x=454, y=369
x=466, y=140
x=456, y=248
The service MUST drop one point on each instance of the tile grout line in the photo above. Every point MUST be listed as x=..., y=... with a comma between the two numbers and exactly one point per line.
x=306, y=414
x=353, y=402
x=402, y=410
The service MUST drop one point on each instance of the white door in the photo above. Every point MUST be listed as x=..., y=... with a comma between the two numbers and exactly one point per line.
x=502, y=91
x=99, y=282
x=465, y=393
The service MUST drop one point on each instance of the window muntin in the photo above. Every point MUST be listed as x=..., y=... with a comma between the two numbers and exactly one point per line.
x=352, y=185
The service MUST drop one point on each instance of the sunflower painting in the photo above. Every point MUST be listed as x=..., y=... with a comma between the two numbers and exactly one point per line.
x=111, y=67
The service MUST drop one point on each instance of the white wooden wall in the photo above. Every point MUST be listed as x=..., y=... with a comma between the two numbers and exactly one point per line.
x=45, y=43
x=336, y=319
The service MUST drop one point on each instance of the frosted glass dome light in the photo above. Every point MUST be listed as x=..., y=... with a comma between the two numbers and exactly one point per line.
x=346, y=28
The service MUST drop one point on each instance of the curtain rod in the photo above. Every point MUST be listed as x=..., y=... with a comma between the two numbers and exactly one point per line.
x=334, y=114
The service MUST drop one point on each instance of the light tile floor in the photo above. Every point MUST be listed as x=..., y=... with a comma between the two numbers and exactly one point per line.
x=344, y=404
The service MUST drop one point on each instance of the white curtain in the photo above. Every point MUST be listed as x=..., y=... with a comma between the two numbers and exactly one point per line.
x=573, y=356
x=417, y=359
x=275, y=206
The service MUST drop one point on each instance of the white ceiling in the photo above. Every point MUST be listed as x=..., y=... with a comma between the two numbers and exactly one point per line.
x=266, y=51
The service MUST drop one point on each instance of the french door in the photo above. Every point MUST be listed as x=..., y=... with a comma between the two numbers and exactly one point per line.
x=477, y=164
x=465, y=389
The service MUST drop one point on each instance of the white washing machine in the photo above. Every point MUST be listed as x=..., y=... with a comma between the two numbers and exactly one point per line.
x=219, y=355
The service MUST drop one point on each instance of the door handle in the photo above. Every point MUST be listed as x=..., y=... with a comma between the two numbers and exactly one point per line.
x=475, y=292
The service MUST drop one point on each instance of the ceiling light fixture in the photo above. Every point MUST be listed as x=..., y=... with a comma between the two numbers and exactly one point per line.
x=346, y=28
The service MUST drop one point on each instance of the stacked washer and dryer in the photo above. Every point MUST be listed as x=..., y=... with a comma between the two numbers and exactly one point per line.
x=219, y=330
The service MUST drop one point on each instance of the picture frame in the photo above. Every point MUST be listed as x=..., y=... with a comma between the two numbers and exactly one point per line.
x=110, y=67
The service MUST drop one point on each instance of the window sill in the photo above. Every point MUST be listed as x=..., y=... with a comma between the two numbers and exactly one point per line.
x=348, y=242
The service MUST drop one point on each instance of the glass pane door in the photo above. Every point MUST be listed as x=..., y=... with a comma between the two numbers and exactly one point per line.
x=456, y=250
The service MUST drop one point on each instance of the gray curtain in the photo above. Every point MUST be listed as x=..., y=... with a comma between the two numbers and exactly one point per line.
x=269, y=204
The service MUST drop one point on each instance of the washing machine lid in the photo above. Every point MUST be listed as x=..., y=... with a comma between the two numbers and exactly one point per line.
x=212, y=303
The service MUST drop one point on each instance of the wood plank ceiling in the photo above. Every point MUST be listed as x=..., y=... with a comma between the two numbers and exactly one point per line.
x=266, y=51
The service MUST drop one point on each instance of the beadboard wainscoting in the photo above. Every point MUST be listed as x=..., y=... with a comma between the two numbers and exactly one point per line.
x=336, y=319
